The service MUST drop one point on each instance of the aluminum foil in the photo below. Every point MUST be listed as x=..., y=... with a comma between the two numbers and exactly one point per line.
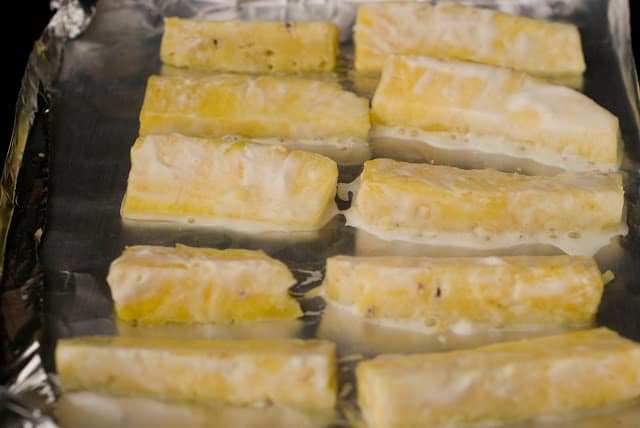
x=66, y=174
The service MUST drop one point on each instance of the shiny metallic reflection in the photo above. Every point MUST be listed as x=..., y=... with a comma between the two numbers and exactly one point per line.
x=408, y=150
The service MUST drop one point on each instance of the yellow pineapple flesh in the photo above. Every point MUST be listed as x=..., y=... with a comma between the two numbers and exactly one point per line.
x=486, y=208
x=74, y=409
x=287, y=108
x=152, y=284
x=299, y=373
x=467, y=293
x=500, y=383
x=229, y=184
x=499, y=110
x=448, y=30
x=250, y=46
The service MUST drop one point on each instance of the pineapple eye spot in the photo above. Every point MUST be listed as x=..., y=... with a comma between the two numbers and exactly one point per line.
x=431, y=322
x=574, y=235
x=269, y=52
x=370, y=311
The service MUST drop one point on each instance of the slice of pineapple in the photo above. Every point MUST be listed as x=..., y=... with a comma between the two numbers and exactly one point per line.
x=449, y=30
x=454, y=104
x=154, y=284
x=500, y=383
x=74, y=409
x=250, y=46
x=577, y=212
x=291, y=372
x=466, y=294
x=288, y=108
x=238, y=185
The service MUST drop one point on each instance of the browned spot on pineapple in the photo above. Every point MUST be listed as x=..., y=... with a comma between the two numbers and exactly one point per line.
x=215, y=43
x=307, y=376
x=288, y=26
x=269, y=52
x=420, y=288
x=370, y=311
x=438, y=291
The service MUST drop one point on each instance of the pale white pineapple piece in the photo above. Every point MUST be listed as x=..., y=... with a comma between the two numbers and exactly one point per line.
x=577, y=212
x=74, y=409
x=299, y=373
x=466, y=106
x=250, y=46
x=500, y=383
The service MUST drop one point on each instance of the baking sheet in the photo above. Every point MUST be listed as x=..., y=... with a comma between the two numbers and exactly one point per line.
x=80, y=135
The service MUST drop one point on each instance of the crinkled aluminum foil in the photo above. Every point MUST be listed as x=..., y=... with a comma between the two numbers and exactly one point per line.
x=66, y=173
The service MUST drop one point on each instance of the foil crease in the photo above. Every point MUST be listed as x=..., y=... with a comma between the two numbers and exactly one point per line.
x=26, y=389
x=85, y=81
x=72, y=17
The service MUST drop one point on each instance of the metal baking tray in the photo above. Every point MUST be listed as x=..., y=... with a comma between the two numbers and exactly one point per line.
x=66, y=173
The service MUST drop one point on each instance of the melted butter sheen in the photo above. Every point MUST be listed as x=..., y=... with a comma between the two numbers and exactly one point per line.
x=490, y=144
x=453, y=104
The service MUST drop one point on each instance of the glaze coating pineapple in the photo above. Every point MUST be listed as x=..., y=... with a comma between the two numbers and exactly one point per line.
x=486, y=208
x=291, y=372
x=466, y=294
x=152, y=284
x=286, y=108
x=500, y=383
x=238, y=185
